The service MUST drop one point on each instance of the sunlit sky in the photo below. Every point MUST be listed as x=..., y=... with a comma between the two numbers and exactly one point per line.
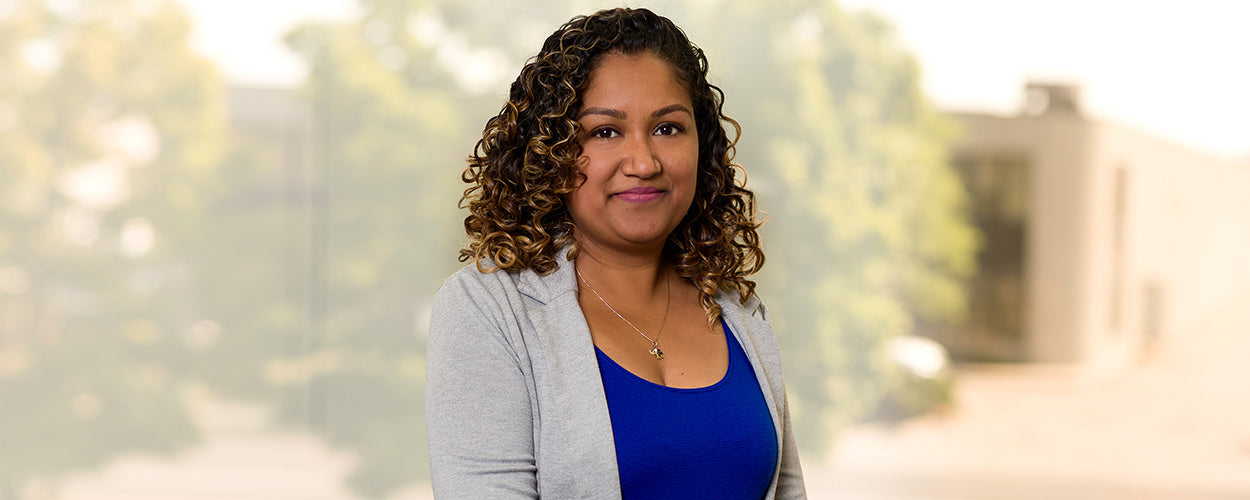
x=1175, y=69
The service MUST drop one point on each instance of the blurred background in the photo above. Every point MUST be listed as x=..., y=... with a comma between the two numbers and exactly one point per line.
x=1008, y=242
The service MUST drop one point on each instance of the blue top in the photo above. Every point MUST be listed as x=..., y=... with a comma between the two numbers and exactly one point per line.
x=709, y=442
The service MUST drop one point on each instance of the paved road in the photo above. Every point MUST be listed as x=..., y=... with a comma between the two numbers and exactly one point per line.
x=1177, y=426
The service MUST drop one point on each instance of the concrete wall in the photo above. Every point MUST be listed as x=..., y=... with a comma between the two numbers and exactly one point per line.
x=1183, y=247
x=1056, y=261
x=1189, y=232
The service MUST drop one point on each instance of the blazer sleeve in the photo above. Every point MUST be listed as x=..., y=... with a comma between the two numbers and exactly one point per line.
x=790, y=472
x=479, y=421
x=790, y=477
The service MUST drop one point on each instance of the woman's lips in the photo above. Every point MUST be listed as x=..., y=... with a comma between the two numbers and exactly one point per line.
x=639, y=194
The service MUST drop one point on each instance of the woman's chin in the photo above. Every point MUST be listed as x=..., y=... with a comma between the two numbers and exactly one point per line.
x=628, y=238
x=645, y=236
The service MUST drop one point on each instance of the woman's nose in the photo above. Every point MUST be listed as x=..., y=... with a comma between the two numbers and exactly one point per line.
x=641, y=159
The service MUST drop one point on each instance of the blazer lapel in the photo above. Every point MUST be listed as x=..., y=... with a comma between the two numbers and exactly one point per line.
x=572, y=404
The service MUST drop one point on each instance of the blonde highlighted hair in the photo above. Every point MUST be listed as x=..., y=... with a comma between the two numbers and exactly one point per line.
x=526, y=161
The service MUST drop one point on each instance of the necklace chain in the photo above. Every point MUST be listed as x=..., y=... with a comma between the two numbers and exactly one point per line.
x=668, y=301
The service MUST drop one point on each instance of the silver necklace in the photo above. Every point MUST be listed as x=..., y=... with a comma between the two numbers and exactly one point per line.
x=655, y=343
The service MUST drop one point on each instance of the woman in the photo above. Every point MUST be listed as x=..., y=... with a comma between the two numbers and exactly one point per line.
x=606, y=342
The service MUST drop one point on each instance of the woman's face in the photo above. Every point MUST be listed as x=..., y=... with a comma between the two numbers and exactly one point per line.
x=640, y=153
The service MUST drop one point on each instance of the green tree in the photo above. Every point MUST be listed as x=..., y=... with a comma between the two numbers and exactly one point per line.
x=346, y=247
x=868, y=235
x=109, y=129
x=387, y=129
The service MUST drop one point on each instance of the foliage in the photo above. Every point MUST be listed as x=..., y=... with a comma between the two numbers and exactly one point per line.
x=109, y=130
x=868, y=233
x=337, y=338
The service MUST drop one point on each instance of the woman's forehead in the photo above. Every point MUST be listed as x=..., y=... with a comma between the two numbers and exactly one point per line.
x=622, y=80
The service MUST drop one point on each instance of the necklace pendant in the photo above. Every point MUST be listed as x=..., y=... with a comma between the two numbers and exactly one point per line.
x=655, y=351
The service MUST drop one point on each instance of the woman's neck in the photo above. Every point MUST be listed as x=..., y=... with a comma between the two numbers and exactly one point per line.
x=625, y=275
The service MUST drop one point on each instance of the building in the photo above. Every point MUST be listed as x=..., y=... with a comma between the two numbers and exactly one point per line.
x=1099, y=241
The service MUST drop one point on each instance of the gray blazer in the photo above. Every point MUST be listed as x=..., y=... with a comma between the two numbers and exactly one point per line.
x=515, y=406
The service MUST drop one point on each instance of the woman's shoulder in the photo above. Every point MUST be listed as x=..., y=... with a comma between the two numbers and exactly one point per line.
x=731, y=299
x=473, y=303
x=485, y=278
x=475, y=280
x=483, y=299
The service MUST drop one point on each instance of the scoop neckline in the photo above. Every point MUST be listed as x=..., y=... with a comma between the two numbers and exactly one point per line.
x=729, y=368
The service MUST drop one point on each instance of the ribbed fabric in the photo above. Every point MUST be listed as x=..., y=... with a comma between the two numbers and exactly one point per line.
x=709, y=442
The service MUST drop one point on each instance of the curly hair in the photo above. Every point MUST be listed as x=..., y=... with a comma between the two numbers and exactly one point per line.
x=527, y=159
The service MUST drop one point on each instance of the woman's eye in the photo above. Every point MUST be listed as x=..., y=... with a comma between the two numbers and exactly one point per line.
x=668, y=129
x=604, y=133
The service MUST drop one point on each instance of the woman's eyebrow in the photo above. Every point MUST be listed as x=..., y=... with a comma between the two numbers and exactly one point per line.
x=671, y=108
x=620, y=115
x=614, y=113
